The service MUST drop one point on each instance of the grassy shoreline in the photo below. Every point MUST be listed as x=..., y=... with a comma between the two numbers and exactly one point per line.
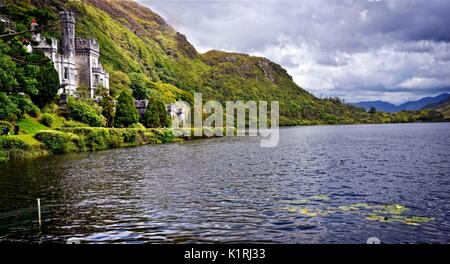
x=37, y=140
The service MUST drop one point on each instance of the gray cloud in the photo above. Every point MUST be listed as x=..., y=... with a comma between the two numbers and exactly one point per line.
x=393, y=50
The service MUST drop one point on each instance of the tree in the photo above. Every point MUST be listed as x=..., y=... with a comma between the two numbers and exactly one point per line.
x=156, y=114
x=108, y=104
x=139, y=84
x=8, y=82
x=83, y=91
x=126, y=113
x=8, y=110
x=372, y=110
x=119, y=82
x=47, y=86
x=22, y=72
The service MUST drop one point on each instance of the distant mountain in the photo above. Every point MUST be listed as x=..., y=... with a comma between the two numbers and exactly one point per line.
x=443, y=107
x=379, y=105
x=411, y=105
x=419, y=104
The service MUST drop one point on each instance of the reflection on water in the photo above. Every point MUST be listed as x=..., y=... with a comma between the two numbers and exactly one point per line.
x=231, y=190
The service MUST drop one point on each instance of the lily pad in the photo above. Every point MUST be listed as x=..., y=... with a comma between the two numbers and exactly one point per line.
x=292, y=209
x=380, y=218
x=395, y=209
x=308, y=213
x=414, y=220
x=320, y=197
x=301, y=201
x=347, y=208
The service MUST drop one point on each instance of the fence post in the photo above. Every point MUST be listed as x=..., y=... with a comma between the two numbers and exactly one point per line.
x=39, y=213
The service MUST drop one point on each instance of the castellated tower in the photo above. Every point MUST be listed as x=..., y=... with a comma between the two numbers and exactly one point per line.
x=78, y=60
x=67, y=33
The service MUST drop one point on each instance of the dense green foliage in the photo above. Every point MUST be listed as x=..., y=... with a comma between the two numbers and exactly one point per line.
x=8, y=110
x=108, y=104
x=443, y=108
x=19, y=147
x=25, y=105
x=57, y=142
x=86, y=112
x=104, y=138
x=156, y=114
x=126, y=113
x=47, y=120
x=16, y=106
x=22, y=72
x=139, y=85
x=5, y=124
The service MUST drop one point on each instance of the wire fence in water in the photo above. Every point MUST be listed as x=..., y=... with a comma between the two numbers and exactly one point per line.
x=29, y=218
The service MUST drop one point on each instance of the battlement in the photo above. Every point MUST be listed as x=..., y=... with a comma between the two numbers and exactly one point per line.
x=91, y=44
x=42, y=43
x=67, y=17
x=77, y=63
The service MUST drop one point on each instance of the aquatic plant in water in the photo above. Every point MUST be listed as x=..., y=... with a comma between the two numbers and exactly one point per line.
x=387, y=213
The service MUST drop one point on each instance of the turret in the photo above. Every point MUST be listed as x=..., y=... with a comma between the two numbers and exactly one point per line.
x=35, y=36
x=67, y=33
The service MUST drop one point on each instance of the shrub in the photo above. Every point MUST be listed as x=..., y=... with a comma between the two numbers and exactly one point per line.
x=115, y=138
x=156, y=114
x=97, y=139
x=55, y=141
x=51, y=109
x=72, y=123
x=151, y=138
x=47, y=120
x=82, y=111
x=20, y=148
x=103, y=138
x=4, y=157
x=25, y=105
x=126, y=113
x=8, y=110
x=82, y=131
x=137, y=125
x=14, y=142
x=6, y=124
x=133, y=135
x=163, y=135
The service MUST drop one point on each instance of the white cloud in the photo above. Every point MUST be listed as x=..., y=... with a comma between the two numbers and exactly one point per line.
x=424, y=83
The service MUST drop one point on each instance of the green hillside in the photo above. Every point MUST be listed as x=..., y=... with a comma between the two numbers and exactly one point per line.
x=133, y=39
x=443, y=107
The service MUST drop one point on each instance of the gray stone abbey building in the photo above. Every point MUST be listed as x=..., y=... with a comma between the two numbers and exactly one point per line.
x=76, y=60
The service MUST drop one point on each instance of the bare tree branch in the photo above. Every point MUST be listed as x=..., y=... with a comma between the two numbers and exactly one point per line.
x=22, y=32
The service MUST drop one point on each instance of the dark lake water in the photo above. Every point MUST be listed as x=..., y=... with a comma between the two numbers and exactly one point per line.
x=324, y=184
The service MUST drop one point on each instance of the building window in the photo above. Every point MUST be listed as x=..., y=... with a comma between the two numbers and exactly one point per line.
x=96, y=79
x=66, y=73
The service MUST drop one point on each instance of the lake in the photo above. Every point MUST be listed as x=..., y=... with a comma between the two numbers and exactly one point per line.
x=322, y=184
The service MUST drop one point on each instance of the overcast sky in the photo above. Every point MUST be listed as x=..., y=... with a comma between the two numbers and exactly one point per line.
x=394, y=50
